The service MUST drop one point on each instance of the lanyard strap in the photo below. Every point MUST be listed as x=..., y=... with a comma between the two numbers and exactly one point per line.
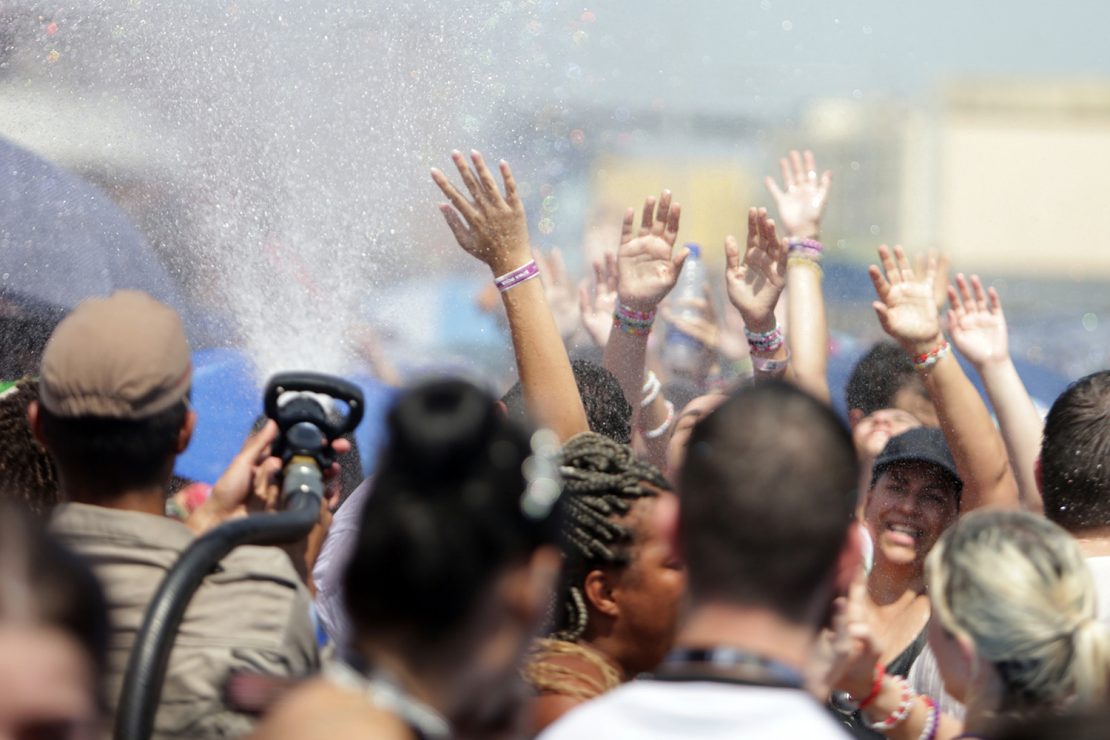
x=728, y=665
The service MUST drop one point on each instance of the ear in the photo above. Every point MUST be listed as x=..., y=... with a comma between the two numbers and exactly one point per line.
x=599, y=593
x=185, y=435
x=855, y=416
x=35, y=422
x=1038, y=475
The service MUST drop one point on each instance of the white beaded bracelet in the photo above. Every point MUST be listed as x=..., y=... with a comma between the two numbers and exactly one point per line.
x=662, y=428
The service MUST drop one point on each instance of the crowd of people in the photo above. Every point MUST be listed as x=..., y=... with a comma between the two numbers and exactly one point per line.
x=617, y=546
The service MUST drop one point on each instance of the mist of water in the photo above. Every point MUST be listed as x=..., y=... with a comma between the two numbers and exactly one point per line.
x=293, y=141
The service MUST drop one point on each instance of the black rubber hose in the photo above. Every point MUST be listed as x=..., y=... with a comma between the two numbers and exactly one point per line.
x=146, y=669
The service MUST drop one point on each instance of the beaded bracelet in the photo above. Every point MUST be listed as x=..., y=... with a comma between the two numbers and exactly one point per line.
x=768, y=366
x=898, y=716
x=932, y=722
x=662, y=428
x=522, y=274
x=810, y=248
x=806, y=262
x=876, y=686
x=765, y=342
x=633, y=322
x=928, y=359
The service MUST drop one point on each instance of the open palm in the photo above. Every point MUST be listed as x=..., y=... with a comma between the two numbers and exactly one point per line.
x=755, y=281
x=976, y=322
x=907, y=305
x=803, y=195
x=647, y=266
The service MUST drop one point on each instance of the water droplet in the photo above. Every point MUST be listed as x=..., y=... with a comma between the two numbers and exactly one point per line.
x=546, y=226
x=857, y=93
x=875, y=229
x=867, y=30
x=787, y=26
x=855, y=166
x=1090, y=321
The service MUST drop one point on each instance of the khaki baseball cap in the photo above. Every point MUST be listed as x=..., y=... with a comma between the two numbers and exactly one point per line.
x=122, y=357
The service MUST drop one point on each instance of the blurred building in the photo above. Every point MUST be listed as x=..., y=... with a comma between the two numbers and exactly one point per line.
x=1006, y=177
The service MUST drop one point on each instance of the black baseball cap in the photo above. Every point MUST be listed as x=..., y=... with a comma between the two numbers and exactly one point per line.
x=923, y=444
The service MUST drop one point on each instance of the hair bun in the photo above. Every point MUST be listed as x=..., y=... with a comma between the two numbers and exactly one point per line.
x=439, y=429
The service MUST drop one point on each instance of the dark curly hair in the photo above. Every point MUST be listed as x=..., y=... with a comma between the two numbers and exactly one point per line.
x=26, y=471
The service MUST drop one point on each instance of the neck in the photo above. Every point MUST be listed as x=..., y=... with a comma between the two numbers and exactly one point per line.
x=151, y=500
x=889, y=583
x=1094, y=541
x=422, y=686
x=613, y=651
x=752, y=629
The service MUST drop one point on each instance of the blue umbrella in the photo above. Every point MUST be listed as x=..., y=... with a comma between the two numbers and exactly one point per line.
x=62, y=240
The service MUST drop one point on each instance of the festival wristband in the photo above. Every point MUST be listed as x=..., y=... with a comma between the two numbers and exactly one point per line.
x=765, y=342
x=768, y=366
x=522, y=274
x=807, y=248
x=900, y=713
x=662, y=428
x=633, y=322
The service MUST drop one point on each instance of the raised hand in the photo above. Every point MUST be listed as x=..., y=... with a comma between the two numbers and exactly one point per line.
x=802, y=198
x=755, y=281
x=976, y=323
x=559, y=291
x=907, y=306
x=597, y=302
x=647, y=263
x=492, y=226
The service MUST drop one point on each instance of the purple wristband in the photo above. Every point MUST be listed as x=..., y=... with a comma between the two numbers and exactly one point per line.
x=796, y=244
x=525, y=272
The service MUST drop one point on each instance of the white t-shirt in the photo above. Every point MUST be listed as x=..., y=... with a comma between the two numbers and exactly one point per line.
x=647, y=710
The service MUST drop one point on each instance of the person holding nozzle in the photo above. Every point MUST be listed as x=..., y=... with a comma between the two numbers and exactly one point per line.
x=114, y=413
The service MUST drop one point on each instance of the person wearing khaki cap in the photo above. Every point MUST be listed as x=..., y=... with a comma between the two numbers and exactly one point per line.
x=114, y=413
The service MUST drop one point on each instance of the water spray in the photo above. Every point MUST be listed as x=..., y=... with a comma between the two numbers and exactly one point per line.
x=307, y=409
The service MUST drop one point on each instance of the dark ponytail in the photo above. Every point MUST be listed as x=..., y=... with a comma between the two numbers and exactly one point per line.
x=450, y=507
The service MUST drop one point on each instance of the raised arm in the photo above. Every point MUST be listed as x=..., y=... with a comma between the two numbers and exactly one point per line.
x=647, y=269
x=493, y=228
x=801, y=203
x=754, y=282
x=907, y=309
x=978, y=329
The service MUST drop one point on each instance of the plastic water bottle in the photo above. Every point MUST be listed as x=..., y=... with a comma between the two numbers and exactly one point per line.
x=683, y=355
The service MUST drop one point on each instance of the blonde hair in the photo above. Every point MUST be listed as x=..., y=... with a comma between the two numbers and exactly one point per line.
x=1017, y=587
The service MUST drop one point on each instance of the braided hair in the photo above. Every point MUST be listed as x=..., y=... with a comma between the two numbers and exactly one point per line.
x=601, y=481
x=26, y=470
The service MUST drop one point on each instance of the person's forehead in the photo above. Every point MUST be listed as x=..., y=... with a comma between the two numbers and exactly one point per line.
x=702, y=405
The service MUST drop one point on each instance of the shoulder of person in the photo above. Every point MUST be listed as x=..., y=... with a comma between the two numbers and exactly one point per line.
x=259, y=562
x=319, y=709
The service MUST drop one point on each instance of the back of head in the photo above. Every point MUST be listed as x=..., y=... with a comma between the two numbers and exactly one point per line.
x=1017, y=586
x=113, y=391
x=878, y=377
x=26, y=471
x=460, y=494
x=767, y=492
x=1075, y=455
x=607, y=410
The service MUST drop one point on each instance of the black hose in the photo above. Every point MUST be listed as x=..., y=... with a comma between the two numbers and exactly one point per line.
x=146, y=669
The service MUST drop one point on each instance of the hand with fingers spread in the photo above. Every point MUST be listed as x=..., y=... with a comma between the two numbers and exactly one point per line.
x=597, y=305
x=559, y=291
x=802, y=198
x=976, y=323
x=755, y=280
x=940, y=283
x=907, y=306
x=647, y=263
x=489, y=226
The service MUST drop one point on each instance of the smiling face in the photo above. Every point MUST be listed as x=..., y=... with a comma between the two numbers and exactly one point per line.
x=908, y=508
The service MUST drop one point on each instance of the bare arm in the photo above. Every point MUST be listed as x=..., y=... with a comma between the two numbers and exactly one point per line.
x=754, y=282
x=801, y=205
x=493, y=228
x=908, y=312
x=978, y=329
x=647, y=269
